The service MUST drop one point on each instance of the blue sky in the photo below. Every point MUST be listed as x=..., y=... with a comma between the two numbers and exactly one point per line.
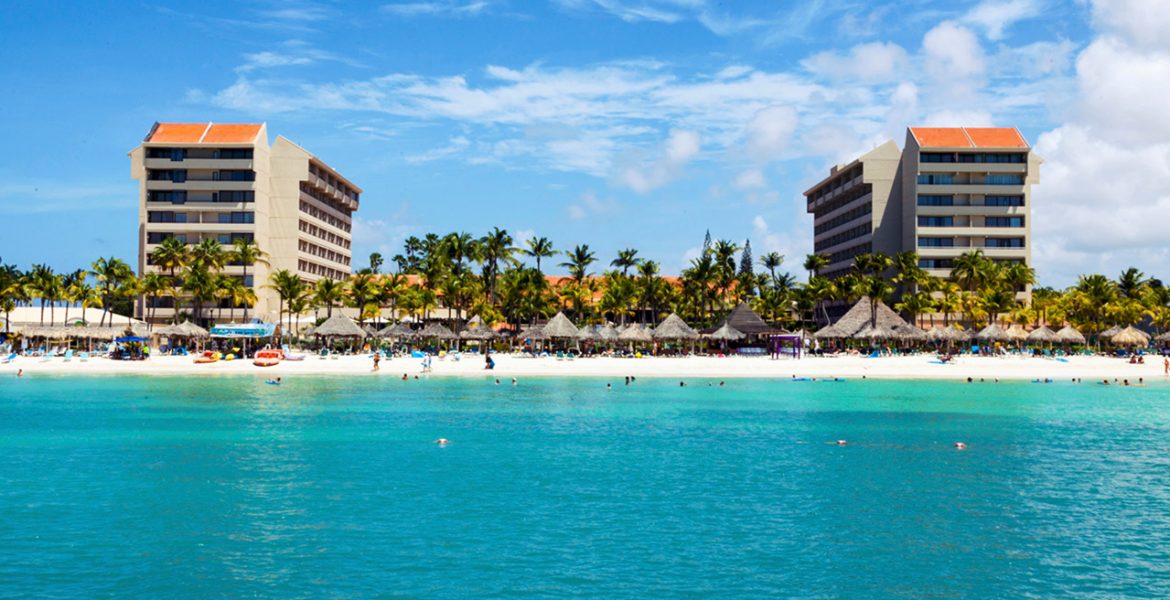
x=609, y=122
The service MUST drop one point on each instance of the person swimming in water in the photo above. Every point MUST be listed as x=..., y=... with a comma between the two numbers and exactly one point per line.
x=275, y=381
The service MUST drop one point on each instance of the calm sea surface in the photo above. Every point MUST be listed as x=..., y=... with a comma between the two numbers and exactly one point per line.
x=226, y=487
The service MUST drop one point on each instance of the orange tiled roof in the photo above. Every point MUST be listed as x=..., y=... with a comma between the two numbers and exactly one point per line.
x=996, y=137
x=968, y=137
x=231, y=133
x=178, y=132
x=195, y=133
x=941, y=137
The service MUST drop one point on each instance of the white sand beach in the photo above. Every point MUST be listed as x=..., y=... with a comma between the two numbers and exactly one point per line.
x=923, y=366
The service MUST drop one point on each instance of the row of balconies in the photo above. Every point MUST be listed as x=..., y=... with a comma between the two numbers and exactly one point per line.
x=199, y=163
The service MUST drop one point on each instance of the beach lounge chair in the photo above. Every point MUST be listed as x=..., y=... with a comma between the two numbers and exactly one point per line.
x=9, y=358
x=69, y=356
x=83, y=357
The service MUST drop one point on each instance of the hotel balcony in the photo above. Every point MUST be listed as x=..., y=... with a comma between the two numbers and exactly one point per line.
x=199, y=163
x=997, y=168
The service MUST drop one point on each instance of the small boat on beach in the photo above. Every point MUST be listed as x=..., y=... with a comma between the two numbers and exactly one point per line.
x=207, y=357
x=268, y=358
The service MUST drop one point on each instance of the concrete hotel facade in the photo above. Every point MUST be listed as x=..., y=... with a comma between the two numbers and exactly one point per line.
x=950, y=191
x=224, y=181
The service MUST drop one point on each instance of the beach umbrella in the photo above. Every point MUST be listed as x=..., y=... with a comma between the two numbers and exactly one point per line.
x=674, y=328
x=1165, y=337
x=532, y=332
x=396, y=331
x=560, y=328
x=910, y=333
x=635, y=333
x=169, y=331
x=588, y=333
x=191, y=330
x=369, y=329
x=1069, y=335
x=608, y=333
x=481, y=334
x=746, y=321
x=1016, y=333
x=726, y=333
x=437, y=331
x=1130, y=336
x=992, y=333
x=1109, y=333
x=881, y=332
x=339, y=325
x=1043, y=335
x=951, y=333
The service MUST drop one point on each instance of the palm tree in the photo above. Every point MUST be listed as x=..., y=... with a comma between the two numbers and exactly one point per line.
x=1094, y=293
x=363, y=289
x=539, y=248
x=724, y=254
x=813, y=263
x=171, y=255
x=328, y=292
x=11, y=290
x=653, y=291
x=72, y=285
x=819, y=291
x=290, y=288
x=202, y=284
x=1132, y=283
x=971, y=270
x=44, y=285
x=209, y=253
x=154, y=285
x=246, y=253
x=579, y=260
x=496, y=247
x=626, y=259
x=110, y=273
x=877, y=289
x=772, y=261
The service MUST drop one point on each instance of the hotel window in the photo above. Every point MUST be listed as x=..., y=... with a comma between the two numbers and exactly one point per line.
x=934, y=200
x=936, y=242
x=1003, y=201
x=924, y=221
x=178, y=175
x=994, y=157
x=156, y=237
x=1004, y=243
x=936, y=179
x=234, y=153
x=998, y=179
x=173, y=196
x=1004, y=222
x=165, y=217
x=236, y=218
x=935, y=263
x=936, y=157
x=236, y=175
x=233, y=196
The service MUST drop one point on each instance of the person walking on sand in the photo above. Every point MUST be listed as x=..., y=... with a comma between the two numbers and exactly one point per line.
x=377, y=359
x=1166, y=367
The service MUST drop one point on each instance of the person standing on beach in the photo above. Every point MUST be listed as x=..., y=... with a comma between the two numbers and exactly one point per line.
x=1166, y=367
x=377, y=359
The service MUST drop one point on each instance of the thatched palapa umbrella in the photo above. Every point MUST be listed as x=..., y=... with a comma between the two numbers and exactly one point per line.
x=1043, y=335
x=369, y=329
x=1165, y=337
x=1016, y=333
x=673, y=328
x=636, y=334
x=1130, y=336
x=339, y=325
x=588, y=333
x=881, y=332
x=992, y=333
x=609, y=333
x=830, y=332
x=1109, y=333
x=436, y=331
x=560, y=328
x=951, y=333
x=909, y=332
x=726, y=333
x=482, y=333
x=746, y=321
x=397, y=331
x=1069, y=335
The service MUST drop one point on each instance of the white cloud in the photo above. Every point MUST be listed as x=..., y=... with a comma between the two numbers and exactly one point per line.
x=872, y=62
x=1141, y=23
x=752, y=179
x=769, y=132
x=793, y=243
x=680, y=148
x=588, y=204
x=994, y=16
x=952, y=52
x=958, y=118
x=454, y=147
x=1124, y=91
x=432, y=9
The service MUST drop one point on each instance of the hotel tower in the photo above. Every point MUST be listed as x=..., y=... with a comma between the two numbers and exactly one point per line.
x=949, y=191
x=225, y=182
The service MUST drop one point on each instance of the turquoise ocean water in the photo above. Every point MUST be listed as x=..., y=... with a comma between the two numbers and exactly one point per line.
x=226, y=487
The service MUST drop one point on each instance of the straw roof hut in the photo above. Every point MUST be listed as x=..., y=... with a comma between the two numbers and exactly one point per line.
x=910, y=332
x=560, y=328
x=1165, y=337
x=858, y=317
x=726, y=333
x=674, y=328
x=881, y=332
x=437, y=331
x=532, y=332
x=1016, y=333
x=746, y=321
x=636, y=333
x=608, y=333
x=1109, y=333
x=1043, y=335
x=170, y=331
x=369, y=329
x=1069, y=335
x=396, y=331
x=992, y=333
x=588, y=333
x=950, y=334
x=1130, y=336
x=310, y=330
x=339, y=325
x=481, y=334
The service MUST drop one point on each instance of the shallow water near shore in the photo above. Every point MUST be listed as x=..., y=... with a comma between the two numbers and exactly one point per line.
x=196, y=487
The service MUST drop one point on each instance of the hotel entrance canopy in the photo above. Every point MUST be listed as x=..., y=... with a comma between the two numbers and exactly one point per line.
x=251, y=330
